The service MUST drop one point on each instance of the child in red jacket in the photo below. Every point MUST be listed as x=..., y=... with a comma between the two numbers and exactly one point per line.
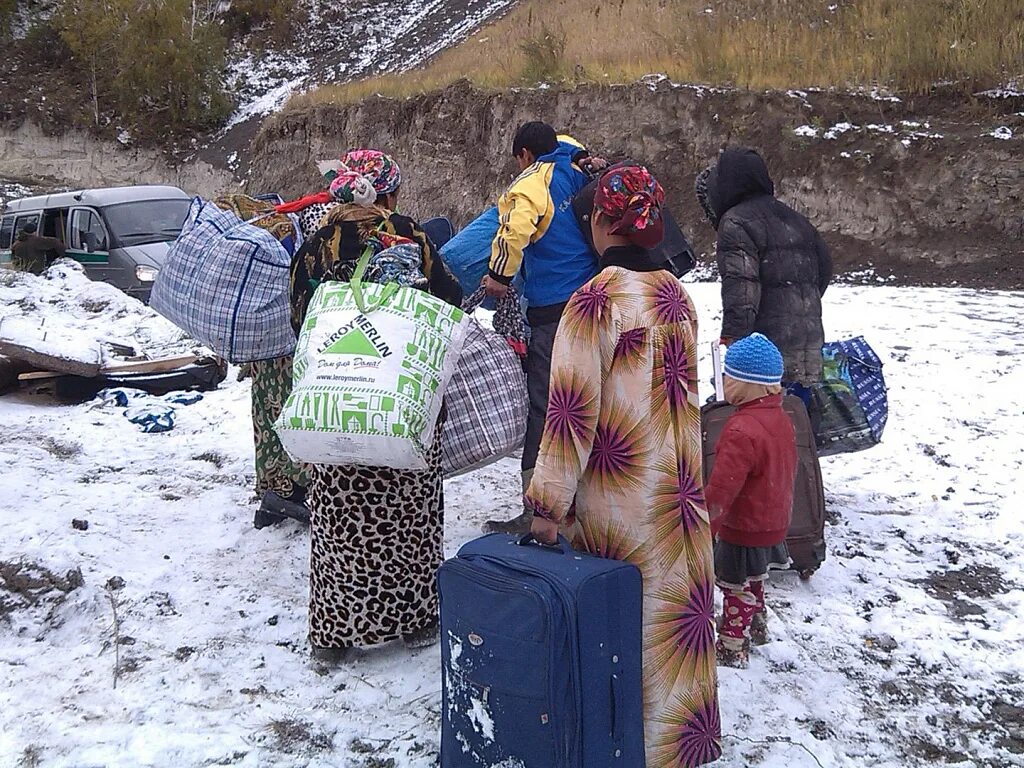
x=750, y=493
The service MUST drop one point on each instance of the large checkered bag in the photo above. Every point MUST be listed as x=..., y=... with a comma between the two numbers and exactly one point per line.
x=486, y=401
x=225, y=282
x=370, y=371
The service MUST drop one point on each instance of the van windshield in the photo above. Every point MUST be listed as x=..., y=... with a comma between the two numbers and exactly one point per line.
x=145, y=221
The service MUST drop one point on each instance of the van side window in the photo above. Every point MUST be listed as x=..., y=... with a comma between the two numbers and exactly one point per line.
x=6, y=232
x=87, y=231
x=24, y=220
x=54, y=223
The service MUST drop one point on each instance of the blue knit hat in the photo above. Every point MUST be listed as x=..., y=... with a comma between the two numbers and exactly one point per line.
x=754, y=360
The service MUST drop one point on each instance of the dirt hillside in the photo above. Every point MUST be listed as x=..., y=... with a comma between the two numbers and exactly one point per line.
x=928, y=190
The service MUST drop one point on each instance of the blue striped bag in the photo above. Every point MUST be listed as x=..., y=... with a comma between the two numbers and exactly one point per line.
x=225, y=282
x=849, y=408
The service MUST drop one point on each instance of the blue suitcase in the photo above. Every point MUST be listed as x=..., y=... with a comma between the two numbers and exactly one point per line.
x=541, y=658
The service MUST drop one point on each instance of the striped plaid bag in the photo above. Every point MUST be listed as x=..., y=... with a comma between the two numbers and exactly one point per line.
x=225, y=282
x=486, y=400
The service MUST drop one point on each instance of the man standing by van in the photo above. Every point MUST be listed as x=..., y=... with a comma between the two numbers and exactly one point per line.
x=537, y=230
x=32, y=252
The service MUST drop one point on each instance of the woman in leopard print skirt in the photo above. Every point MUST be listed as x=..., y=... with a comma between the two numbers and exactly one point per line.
x=376, y=533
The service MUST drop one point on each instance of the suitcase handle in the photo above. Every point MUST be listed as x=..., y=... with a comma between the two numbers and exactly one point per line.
x=562, y=546
x=617, y=709
x=716, y=364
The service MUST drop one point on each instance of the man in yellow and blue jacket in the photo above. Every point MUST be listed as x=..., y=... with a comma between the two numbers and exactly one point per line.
x=538, y=234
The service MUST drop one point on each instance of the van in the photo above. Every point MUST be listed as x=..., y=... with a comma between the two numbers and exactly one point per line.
x=120, y=235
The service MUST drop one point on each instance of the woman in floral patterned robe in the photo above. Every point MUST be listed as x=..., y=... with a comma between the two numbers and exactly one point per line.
x=623, y=439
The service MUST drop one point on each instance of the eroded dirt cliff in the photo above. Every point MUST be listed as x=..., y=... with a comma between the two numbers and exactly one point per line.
x=925, y=190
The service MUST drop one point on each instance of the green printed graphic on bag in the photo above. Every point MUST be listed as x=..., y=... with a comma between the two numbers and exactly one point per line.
x=359, y=337
x=368, y=383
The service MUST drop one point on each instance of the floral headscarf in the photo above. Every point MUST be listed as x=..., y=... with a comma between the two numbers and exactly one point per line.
x=352, y=187
x=632, y=198
x=381, y=170
x=360, y=176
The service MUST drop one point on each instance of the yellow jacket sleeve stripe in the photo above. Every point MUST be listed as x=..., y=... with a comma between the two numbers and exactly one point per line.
x=525, y=212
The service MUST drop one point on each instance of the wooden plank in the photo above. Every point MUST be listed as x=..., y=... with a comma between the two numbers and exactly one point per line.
x=151, y=366
x=58, y=347
x=42, y=361
x=38, y=375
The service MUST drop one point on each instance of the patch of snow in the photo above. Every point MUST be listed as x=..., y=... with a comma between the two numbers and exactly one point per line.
x=338, y=49
x=880, y=128
x=808, y=131
x=51, y=335
x=845, y=154
x=265, y=82
x=918, y=135
x=866, y=276
x=13, y=190
x=1003, y=132
x=76, y=313
x=1008, y=92
x=124, y=137
x=701, y=90
x=905, y=643
x=706, y=271
x=481, y=719
x=653, y=80
x=880, y=95
x=839, y=129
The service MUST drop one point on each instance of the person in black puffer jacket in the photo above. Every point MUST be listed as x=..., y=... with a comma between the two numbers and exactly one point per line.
x=774, y=265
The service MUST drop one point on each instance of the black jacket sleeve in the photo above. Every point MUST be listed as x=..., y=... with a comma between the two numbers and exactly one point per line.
x=739, y=264
x=824, y=264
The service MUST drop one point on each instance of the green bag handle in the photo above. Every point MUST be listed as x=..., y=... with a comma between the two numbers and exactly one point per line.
x=390, y=289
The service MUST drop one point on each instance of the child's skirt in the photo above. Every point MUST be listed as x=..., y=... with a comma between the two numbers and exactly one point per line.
x=736, y=565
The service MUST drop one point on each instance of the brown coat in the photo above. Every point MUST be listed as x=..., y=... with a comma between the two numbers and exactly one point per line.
x=33, y=253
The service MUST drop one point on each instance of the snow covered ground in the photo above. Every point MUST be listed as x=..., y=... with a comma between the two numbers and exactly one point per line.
x=185, y=644
x=342, y=42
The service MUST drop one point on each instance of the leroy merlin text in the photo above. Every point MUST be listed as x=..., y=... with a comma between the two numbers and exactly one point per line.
x=367, y=327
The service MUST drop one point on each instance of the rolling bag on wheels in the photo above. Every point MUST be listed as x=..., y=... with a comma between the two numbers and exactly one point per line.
x=806, y=538
x=541, y=657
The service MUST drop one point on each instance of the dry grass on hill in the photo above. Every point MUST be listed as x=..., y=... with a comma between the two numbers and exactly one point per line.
x=907, y=45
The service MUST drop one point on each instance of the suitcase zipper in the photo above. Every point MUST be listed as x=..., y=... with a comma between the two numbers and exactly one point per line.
x=568, y=599
x=463, y=566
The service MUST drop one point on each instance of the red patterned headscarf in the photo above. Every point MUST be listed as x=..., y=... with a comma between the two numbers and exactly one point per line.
x=632, y=198
x=360, y=176
x=379, y=169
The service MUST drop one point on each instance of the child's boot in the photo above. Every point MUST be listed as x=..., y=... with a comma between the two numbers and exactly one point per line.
x=759, y=621
x=759, y=629
x=733, y=653
x=739, y=606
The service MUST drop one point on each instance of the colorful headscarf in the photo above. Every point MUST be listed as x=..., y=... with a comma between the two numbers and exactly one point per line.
x=352, y=187
x=632, y=198
x=381, y=170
